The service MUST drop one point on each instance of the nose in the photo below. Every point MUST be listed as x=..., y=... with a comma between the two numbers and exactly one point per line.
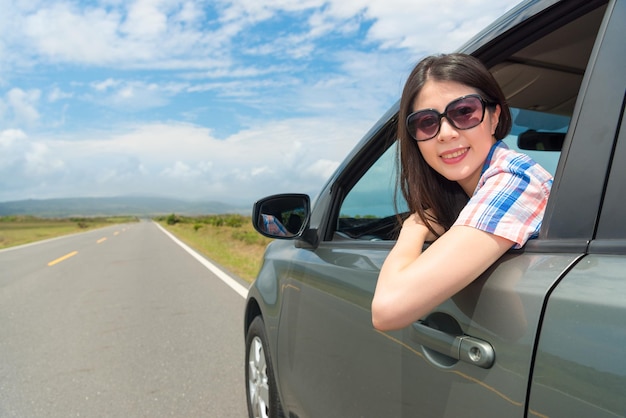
x=446, y=131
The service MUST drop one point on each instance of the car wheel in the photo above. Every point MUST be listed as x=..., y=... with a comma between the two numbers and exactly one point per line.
x=261, y=392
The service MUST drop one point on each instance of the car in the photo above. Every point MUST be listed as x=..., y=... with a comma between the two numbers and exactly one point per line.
x=541, y=333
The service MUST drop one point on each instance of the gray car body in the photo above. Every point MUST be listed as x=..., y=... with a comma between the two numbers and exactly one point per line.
x=553, y=313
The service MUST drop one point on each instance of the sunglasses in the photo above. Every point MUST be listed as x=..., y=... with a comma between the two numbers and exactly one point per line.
x=463, y=113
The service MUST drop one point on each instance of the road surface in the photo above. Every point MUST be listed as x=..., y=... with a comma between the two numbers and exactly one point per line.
x=118, y=322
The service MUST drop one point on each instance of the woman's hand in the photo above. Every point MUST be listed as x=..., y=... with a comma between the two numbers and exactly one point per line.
x=414, y=221
x=413, y=235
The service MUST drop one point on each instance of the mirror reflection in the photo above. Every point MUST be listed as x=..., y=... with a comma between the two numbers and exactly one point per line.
x=282, y=216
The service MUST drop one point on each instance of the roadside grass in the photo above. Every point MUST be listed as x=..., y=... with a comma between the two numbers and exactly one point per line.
x=18, y=230
x=229, y=240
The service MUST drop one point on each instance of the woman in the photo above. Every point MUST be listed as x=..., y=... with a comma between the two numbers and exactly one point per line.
x=465, y=189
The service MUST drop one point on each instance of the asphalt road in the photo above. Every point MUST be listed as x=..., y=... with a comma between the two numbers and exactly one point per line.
x=118, y=322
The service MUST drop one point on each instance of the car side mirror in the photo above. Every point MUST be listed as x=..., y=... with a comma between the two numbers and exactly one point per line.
x=283, y=216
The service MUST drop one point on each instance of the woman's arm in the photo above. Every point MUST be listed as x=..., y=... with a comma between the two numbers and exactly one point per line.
x=411, y=282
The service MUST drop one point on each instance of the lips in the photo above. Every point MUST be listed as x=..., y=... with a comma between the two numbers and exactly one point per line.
x=454, y=155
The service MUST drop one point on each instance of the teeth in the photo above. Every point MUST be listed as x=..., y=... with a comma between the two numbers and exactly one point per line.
x=455, y=154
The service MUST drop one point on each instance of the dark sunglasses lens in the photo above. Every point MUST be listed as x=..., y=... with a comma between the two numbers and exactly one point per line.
x=466, y=113
x=424, y=124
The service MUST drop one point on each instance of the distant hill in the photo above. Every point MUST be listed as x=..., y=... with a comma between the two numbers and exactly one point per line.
x=107, y=206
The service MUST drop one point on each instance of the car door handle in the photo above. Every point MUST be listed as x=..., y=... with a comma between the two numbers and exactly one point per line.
x=459, y=347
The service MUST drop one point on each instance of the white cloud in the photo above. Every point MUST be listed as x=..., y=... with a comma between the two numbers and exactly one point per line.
x=421, y=25
x=21, y=158
x=106, y=84
x=182, y=171
x=189, y=13
x=137, y=95
x=322, y=169
x=134, y=95
x=57, y=94
x=8, y=138
x=170, y=34
x=64, y=33
x=144, y=20
x=194, y=165
x=21, y=106
x=139, y=33
x=39, y=162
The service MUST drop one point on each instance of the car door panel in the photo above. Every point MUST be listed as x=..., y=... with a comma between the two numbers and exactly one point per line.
x=332, y=362
x=503, y=308
x=327, y=321
x=580, y=369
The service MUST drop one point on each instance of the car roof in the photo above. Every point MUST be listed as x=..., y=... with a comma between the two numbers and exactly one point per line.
x=513, y=18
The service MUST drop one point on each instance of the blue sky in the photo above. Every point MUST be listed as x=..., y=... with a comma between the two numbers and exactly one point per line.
x=214, y=100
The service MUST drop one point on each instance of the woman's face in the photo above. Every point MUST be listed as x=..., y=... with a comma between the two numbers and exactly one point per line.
x=456, y=154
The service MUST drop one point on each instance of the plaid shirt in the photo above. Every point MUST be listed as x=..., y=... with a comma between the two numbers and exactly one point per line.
x=273, y=226
x=510, y=198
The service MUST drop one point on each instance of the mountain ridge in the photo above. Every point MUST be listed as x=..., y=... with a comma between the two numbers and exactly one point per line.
x=116, y=205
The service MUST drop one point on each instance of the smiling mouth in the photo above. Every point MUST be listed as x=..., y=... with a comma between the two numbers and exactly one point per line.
x=454, y=154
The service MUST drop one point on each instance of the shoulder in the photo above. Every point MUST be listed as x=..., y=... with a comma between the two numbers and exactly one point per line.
x=510, y=198
x=514, y=175
x=506, y=160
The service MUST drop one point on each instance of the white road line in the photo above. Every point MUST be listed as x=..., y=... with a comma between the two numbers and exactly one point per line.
x=206, y=263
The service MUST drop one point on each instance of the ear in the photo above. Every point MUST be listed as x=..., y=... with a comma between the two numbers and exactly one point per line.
x=495, y=118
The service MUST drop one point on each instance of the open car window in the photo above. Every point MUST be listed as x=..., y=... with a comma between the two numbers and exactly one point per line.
x=548, y=131
x=369, y=211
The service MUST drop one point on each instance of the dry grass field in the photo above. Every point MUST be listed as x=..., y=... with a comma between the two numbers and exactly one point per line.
x=229, y=240
x=18, y=230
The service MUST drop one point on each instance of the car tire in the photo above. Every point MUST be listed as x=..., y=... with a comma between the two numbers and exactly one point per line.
x=261, y=391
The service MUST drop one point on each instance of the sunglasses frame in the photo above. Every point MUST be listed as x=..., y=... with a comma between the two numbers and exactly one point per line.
x=485, y=104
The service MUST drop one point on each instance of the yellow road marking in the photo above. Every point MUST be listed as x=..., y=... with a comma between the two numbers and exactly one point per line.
x=116, y=233
x=101, y=240
x=65, y=257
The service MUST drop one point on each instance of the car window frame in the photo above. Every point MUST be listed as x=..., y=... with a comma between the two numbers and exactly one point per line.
x=369, y=149
x=611, y=234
